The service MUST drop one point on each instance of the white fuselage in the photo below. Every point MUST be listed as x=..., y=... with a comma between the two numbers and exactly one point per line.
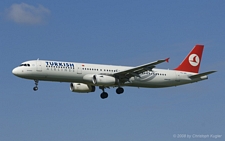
x=81, y=72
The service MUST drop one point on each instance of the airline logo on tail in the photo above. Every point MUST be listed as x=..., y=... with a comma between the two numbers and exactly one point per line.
x=194, y=60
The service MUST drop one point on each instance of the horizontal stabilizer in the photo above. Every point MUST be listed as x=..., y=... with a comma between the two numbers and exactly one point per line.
x=201, y=74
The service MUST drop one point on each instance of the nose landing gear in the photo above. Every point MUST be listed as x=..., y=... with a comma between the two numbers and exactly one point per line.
x=36, y=85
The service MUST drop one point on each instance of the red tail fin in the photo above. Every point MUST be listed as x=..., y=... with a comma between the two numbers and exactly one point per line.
x=192, y=62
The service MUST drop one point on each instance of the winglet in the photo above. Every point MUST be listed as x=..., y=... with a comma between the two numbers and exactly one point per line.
x=167, y=60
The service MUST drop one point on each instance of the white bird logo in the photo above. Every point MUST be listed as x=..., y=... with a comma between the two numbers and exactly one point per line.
x=194, y=60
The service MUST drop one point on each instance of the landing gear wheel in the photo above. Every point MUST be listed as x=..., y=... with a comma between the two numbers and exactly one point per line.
x=36, y=85
x=35, y=88
x=104, y=95
x=119, y=90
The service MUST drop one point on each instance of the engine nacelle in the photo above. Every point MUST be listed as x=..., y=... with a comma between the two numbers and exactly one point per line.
x=81, y=88
x=103, y=80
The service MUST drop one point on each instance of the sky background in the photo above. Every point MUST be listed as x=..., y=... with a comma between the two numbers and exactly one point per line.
x=120, y=32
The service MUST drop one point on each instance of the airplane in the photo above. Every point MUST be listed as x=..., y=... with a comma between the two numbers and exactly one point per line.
x=85, y=77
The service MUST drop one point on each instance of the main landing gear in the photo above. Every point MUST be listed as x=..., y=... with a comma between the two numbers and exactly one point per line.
x=119, y=90
x=104, y=94
x=36, y=85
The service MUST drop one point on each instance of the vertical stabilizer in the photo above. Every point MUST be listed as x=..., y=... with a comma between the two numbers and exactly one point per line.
x=192, y=61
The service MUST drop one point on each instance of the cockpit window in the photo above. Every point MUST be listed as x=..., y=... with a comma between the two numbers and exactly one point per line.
x=27, y=65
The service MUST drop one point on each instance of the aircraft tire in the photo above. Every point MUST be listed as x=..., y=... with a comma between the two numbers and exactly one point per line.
x=35, y=88
x=119, y=90
x=104, y=95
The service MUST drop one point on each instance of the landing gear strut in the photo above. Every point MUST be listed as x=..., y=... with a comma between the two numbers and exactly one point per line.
x=36, y=85
x=103, y=94
x=119, y=90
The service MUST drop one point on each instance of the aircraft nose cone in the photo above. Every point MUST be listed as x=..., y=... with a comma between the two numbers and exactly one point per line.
x=15, y=71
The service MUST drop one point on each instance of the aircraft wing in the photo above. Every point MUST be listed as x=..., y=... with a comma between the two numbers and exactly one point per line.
x=127, y=74
x=201, y=74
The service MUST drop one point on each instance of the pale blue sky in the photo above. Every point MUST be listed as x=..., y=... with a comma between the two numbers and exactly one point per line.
x=111, y=32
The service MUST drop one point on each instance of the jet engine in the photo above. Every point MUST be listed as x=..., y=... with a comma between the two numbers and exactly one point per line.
x=103, y=80
x=81, y=88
